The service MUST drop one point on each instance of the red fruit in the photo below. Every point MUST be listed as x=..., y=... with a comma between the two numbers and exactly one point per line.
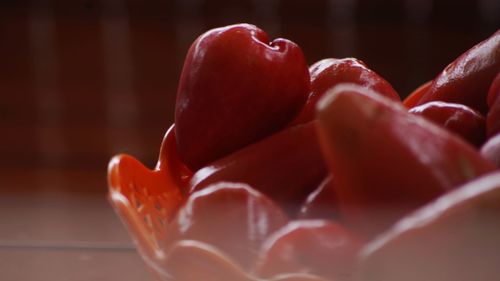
x=169, y=160
x=387, y=161
x=236, y=87
x=454, y=238
x=457, y=118
x=286, y=166
x=491, y=150
x=493, y=117
x=310, y=246
x=231, y=217
x=297, y=277
x=321, y=203
x=412, y=99
x=329, y=72
x=190, y=260
x=467, y=79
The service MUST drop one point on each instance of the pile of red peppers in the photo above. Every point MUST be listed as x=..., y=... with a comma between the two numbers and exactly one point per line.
x=290, y=172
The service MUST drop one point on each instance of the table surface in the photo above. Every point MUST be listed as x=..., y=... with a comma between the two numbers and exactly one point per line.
x=48, y=233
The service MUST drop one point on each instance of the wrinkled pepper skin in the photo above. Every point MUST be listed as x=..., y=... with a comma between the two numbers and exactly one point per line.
x=454, y=238
x=493, y=117
x=387, y=161
x=232, y=217
x=327, y=73
x=467, y=79
x=457, y=118
x=286, y=166
x=235, y=88
x=320, y=247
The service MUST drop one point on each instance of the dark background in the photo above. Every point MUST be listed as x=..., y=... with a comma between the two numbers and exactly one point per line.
x=83, y=80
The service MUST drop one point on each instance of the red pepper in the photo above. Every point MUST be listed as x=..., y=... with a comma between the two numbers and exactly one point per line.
x=319, y=247
x=231, y=217
x=387, y=161
x=327, y=73
x=457, y=118
x=236, y=87
x=454, y=238
x=466, y=80
x=286, y=166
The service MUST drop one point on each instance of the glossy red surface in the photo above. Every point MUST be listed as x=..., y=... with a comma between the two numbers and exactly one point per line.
x=310, y=246
x=457, y=118
x=286, y=166
x=231, y=217
x=327, y=73
x=453, y=238
x=467, y=79
x=406, y=160
x=236, y=87
x=493, y=116
x=414, y=97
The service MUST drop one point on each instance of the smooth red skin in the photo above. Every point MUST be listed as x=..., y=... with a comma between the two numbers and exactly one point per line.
x=412, y=99
x=494, y=90
x=169, y=160
x=236, y=87
x=493, y=117
x=387, y=161
x=192, y=260
x=321, y=203
x=287, y=167
x=457, y=118
x=298, y=277
x=467, y=79
x=231, y=217
x=319, y=247
x=491, y=150
x=454, y=238
x=327, y=73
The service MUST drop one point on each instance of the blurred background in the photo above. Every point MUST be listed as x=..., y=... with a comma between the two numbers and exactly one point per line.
x=83, y=80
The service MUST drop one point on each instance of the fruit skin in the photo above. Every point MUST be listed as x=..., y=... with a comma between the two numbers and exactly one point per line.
x=455, y=238
x=236, y=87
x=189, y=260
x=457, y=118
x=466, y=79
x=232, y=217
x=491, y=150
x=321, y=203
x=327, y=73
x=494, y=90
x=414, y=97
x=493, y=117
x=320, y=247
x=386, y=161
x=286, y=166
x=169, y=160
